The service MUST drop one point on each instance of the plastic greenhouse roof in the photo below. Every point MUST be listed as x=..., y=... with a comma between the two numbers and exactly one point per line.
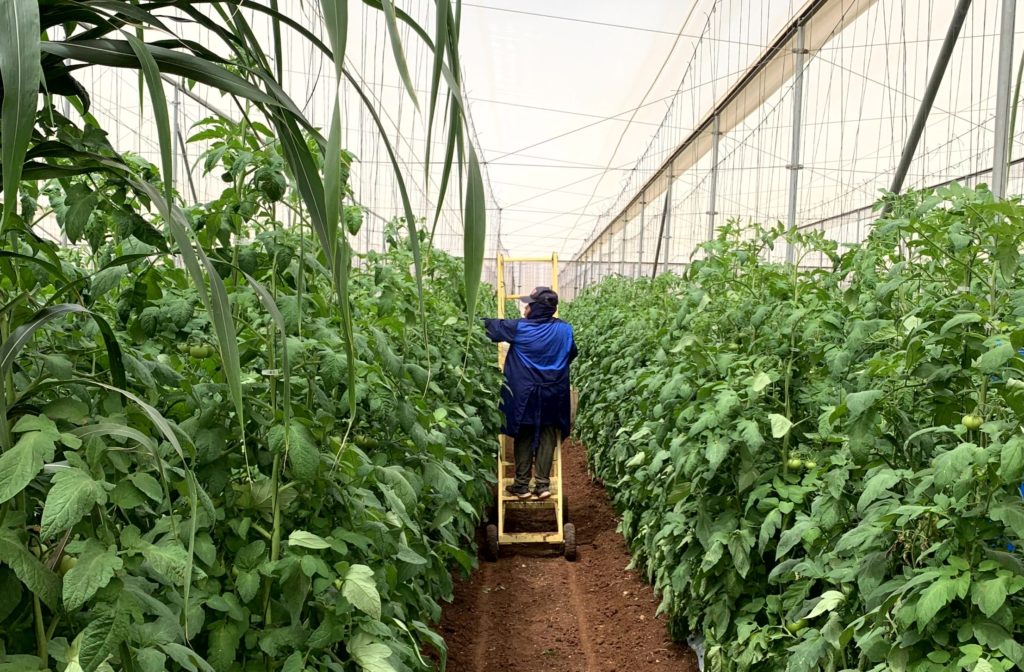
x=575, y=103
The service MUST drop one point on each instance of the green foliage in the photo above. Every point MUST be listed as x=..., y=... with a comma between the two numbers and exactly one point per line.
x=368, y=513
x=225, y=444
x=787, y=448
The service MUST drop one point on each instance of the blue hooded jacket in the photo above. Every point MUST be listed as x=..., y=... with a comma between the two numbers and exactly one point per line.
x=536, y=370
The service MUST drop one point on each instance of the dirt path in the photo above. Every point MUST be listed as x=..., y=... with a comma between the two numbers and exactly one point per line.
x=533, y=611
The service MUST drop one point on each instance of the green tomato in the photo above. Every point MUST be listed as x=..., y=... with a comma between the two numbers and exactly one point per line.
x=794, y=463
x=66, y=563
x=810, y=464
x=797, y=626
x=183, y=348
x=199, y=351
x=971, y=421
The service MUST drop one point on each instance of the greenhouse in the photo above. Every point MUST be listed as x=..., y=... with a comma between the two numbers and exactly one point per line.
x=494, y=335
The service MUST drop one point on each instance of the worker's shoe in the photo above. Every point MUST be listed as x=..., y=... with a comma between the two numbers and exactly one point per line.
x=542, y=492
x=520, y=491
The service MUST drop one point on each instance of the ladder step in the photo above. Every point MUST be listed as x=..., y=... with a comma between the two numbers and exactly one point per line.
x=506, y=497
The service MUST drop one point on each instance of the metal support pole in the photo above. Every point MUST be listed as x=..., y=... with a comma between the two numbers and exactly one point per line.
x=661, y=232
x=715, y=135
x=667, y=218
x=608, y=257
x=952, y=33
x=640, y=245
x=622, y=251
x=794, y=160
x=1004, y=73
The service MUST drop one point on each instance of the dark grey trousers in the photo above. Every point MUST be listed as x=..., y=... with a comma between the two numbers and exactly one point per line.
x=525, y=458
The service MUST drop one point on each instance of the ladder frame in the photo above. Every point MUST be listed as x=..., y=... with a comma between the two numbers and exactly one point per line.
x=506, y=449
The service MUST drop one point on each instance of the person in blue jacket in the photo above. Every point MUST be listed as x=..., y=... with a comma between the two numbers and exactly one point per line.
x=536, y=397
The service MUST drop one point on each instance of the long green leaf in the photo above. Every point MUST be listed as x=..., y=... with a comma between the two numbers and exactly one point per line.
x=249, y=49
x=441, y=38
x=404, y=18
x=275, y=314
x=60, y=13
x=332, y=176
x=54, y=270
x=410, y=218
x=342, y=267
x=151, y=73
x=227, y=340
x=342, y=256
x=336, y=22
x=475, y=232
x=391, y=21
x=178, y=227
x=278, y=51
x=217, y=306
x=307, y=179
x=23, y=334
x=336, y=18
x=119, y=54
x=454, y=132
x=20, y=71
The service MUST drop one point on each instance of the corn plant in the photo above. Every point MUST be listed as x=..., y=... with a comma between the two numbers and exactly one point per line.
x=218, y=454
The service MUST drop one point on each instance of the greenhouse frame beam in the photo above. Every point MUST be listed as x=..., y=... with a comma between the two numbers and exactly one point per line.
x=716, y=136
x=821, y=19
x=622, y=254
x=794, y=160
x=1003, y=75
x=665, y=214
x=931, y=90
x=667, y=219
x=640, y=243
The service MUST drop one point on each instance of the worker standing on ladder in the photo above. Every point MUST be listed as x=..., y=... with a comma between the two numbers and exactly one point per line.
x=536, y=398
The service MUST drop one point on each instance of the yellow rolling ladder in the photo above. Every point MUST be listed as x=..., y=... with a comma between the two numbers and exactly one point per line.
x=564, y=533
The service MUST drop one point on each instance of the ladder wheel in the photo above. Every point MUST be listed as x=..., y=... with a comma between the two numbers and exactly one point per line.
x=491, y=547
x=569, y=534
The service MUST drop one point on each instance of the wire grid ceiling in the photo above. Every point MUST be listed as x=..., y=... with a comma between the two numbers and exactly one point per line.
x=861, y=91
x=567, y=139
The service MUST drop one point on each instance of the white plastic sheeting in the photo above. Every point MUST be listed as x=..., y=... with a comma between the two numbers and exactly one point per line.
x=567, y=96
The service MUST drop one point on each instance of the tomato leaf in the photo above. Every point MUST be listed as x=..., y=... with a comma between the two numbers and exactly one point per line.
x=360, y=588
x=780, y=425
x=95, y=568
x=30, y=571
x=72, y=494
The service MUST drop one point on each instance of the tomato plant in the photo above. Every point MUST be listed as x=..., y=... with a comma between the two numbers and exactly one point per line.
x=819, y=468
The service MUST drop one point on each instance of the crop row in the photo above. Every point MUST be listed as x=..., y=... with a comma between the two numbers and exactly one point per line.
x=820, y=469
x=201, y=476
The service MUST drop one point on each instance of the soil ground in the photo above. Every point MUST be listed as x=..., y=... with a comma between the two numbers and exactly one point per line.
x=533, y=611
